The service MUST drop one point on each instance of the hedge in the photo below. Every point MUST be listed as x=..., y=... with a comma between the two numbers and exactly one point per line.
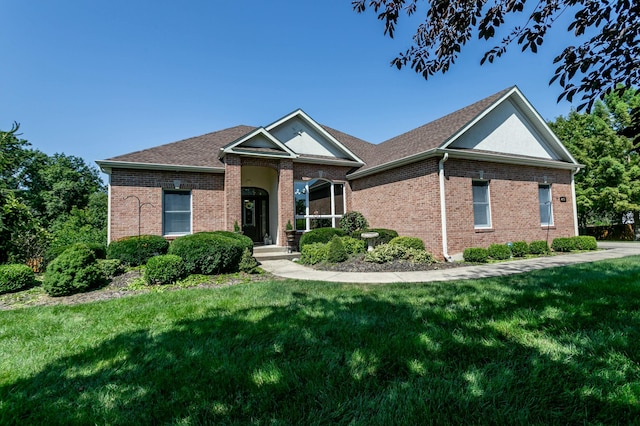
x=384, y=235
x=585, y=242
x=563, y=244
x=520, y=249
x=242, y=239
x=538, y=247
x=408, y=242
x=15, y=277
x=208, y=252
x=499, y=251
x=320, y=235
x=475, y=255
x=74, y=271
x=126, y=249
x=314, y=253
x=99, y=250
x=164, y=269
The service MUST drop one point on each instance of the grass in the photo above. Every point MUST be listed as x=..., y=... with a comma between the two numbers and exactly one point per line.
x=557, y=346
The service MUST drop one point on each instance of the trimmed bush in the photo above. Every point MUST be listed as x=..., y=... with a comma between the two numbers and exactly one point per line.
x=99, y=250
x=520, y=249
x=336, y=252
x=408, y=242
x=585, y=242
x=419, y=256
x=539, y=247
x=563, y=244
x=314, y=253
x=74, y=271
x=353, y=245
x=248, y=264
x=499, y=251
x=208, y=252
x=111, y=267
x=126, y=249
x=384, y=253
x=15, y=277
x=164, y=269
x=384, y=235
x=320, y=235
x=353, y=221
x=242, y=239
x=475, y=255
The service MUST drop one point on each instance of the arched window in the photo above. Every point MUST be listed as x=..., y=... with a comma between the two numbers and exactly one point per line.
x=319, y=204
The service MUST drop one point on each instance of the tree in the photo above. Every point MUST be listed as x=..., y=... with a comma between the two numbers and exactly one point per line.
x=13, y=153
x=608, y=56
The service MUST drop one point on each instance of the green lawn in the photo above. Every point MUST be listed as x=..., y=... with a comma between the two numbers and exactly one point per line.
x=555, y=346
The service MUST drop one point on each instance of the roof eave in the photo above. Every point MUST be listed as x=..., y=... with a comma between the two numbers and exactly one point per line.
x=107, y=165
x=328, y=161
x=393, y=164
x=508, y=159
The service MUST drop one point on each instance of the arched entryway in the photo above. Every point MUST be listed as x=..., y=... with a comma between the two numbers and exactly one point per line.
x=255, y=213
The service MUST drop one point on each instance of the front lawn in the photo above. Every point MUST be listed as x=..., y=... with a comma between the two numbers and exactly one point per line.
x=553, y=346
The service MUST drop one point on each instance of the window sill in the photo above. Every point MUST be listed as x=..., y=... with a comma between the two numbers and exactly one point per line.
x=545, y=227
x=483, y=230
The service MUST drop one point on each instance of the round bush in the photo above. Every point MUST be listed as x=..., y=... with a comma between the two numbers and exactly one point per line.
x=74, y=271
x=111, y=267
x=99, y=250
x=563, y=244
x=520, y=249
x=538, y=247
x=336, y=252
x=585, y=242
x=245, y=241
x=208, y=252
x=384, y=235
x=499, y=251
x=126, y=249
x=353, y=221
x=320, y=235
x=314, y=253
x=353, y=245
x=164, y=269
x=408, y=242
x=15, y=277
x=475, y=255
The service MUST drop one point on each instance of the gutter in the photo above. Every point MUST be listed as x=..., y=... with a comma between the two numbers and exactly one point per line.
x=443, y=208
x=575, y=202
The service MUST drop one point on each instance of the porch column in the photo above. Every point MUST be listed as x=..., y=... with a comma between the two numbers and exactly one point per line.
x=233, y=191
x=286, y=210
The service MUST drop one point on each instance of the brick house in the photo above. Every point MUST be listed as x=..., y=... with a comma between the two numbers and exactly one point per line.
x=490, y=172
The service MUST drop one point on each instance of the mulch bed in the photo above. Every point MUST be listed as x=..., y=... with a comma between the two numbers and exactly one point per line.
x=357, y=264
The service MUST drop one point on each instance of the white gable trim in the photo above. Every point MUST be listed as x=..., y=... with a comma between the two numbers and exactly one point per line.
x=235, y=147
x=530, y=113
x=318, y=128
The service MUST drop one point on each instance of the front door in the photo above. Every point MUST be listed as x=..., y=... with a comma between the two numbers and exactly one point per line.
x=255, y=213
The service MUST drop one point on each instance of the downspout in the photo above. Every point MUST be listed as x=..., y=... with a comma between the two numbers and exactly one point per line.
x=443, y=208
x=109, y=210
x=575, y=202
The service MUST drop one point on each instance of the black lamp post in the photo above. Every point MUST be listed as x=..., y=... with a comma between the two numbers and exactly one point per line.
x=140, y=204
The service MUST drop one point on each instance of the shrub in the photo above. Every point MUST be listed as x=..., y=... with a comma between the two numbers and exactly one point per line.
x=585, y=242
x=248, y=263
x=314, y=253
x=164, y=269
x=419, y=256
x=99, y=250
x=336, y=252
x=208, y=252
x=538, y=247
x=408, y=242
x=15, y=277
x=320, y=235
x=475, y=255
x=385, y=253
x=563, y=244
x=74, y=271
x=499, y=251
x=111, y=267
x=126, y=249
x=242, y=239
x=520, y=249
x=353, y=245
x=384, y=235
x=353, y=221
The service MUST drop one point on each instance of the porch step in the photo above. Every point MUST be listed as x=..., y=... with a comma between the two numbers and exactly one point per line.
x=273, y=252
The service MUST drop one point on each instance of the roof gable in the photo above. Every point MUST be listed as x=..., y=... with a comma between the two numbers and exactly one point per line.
x=258, y=143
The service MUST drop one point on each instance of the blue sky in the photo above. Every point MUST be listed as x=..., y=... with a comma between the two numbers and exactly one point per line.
x=98, y=79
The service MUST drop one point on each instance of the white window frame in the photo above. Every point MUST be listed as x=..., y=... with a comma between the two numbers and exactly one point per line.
x=309, y=216
x=487, y=204
x=164, y=212
x=548, y=203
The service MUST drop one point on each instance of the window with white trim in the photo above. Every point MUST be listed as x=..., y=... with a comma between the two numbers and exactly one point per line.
x=546, y=208
x=319, y=203
x=481, y=205
x=176, y=212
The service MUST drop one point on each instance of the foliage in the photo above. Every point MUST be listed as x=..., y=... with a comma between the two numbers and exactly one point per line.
x=243, y=240
x=384, y=253
x=353, y=245
x=314, y=253
x=319, y=235
x=563, y=244
x=236, y=227
x=134, y=251
x=111, y=268
x=585, y=242
x=351, y=222
x=408, y=242
x=384, y=235
x=248, y=263
x=21, y=235
x=520, y=249
x=74, y=271
x=99, y=250
x=164, y=269
x=336, y=251
x=15, y=277
x=208, y=253
x=538, y=247
x=499, y=251
x=475, y=255
x=609, y=31
x=86, y=225
x=288, y=226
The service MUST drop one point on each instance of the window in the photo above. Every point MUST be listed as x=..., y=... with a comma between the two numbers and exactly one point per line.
x=176, y=212
x=546, y=209
x=319, y=204
x=481, y=206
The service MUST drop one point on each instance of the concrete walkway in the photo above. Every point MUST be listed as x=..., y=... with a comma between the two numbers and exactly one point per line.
x=608, y=250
